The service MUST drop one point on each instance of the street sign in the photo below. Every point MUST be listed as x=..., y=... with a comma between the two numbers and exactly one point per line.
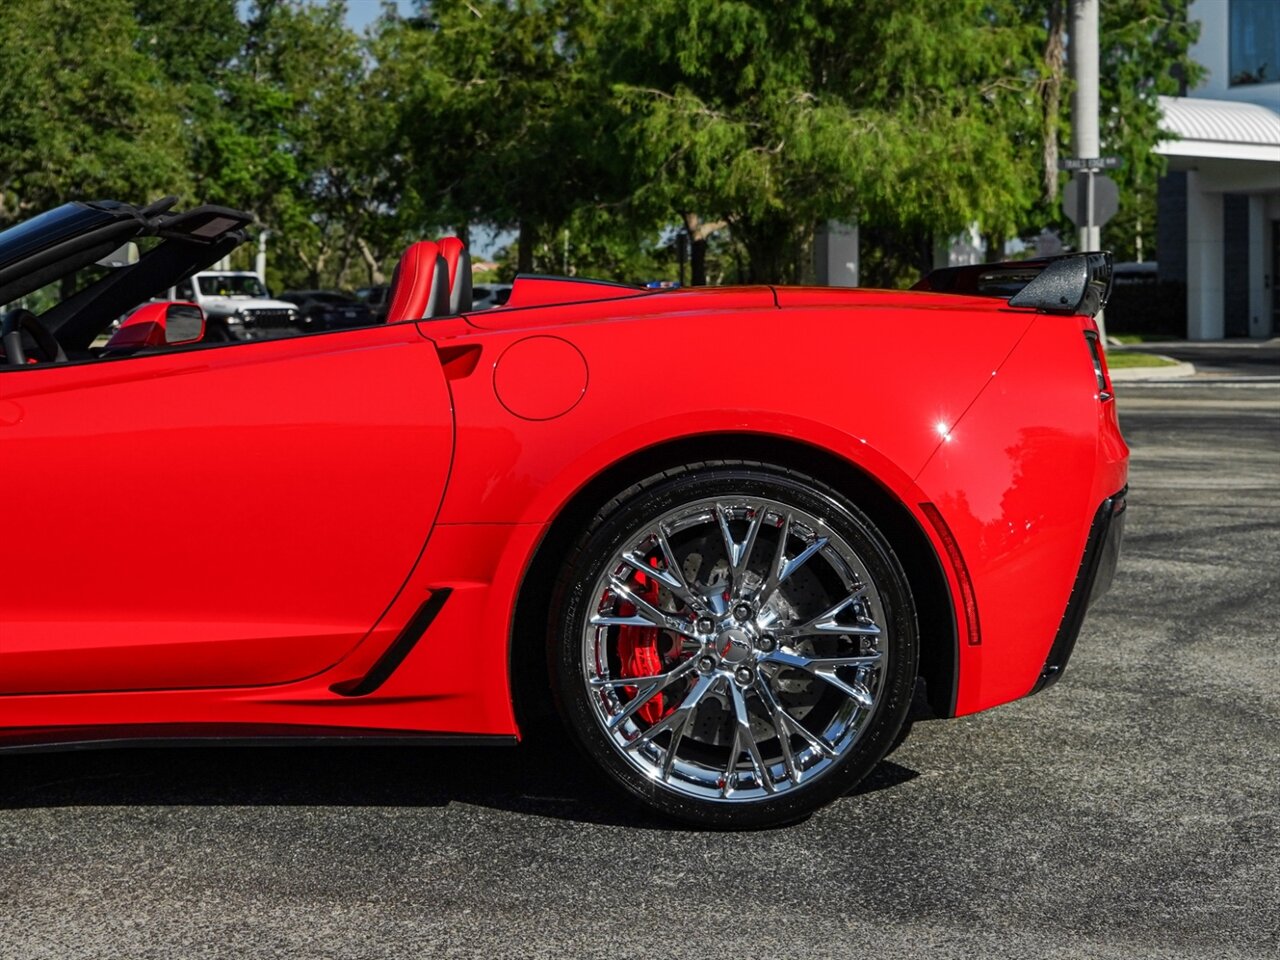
x=1090, y=163
x=1106, y=199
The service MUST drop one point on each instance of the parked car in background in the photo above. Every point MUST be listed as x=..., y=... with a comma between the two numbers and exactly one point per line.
x=1144, y=303
x=376, y=298
x=328, y=309
x=488, y=295
x=237, y=306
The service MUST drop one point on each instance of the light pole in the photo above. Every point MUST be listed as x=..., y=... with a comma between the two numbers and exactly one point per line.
x=260, y=262
x=1083, y=52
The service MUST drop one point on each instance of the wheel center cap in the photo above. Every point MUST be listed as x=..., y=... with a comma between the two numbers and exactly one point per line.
x=734, y=646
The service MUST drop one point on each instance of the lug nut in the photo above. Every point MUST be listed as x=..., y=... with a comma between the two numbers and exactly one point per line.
x=742, y=611
x=706, y=625
x=742, y=675
x=766, y=644
x=706, y=664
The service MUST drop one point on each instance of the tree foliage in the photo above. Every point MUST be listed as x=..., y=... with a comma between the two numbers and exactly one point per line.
x=593, y=129
x=1142, y=55
x=498, y=114
x=83, y=108
x=773, y=117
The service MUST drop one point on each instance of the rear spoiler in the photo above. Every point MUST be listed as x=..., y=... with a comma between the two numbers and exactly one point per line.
x=1077, y=283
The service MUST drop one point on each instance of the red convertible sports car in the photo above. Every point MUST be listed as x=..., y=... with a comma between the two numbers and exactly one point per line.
x=728, y=537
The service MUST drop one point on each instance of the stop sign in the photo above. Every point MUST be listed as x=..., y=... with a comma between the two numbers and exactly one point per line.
x=1106, y=199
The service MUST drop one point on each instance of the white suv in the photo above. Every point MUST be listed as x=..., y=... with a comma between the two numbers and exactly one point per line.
x=237, y=305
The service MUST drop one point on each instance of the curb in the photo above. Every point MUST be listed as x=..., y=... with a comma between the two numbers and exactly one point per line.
x=1132, y=374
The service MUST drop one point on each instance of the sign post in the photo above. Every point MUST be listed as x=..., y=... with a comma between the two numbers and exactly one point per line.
x=1093, y=204
x=1082, y=52
x=1101, y=198
x=1090, y=200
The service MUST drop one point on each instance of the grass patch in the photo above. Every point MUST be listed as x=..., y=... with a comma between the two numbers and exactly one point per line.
x=1140, y=337
x=1120, y=359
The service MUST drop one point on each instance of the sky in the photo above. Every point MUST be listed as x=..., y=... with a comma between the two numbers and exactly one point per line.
x=361, y=13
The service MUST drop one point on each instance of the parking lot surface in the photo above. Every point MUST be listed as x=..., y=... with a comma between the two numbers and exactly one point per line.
x=1133, y=810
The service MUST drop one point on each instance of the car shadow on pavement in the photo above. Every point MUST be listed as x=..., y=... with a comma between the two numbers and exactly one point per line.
x=529, y=779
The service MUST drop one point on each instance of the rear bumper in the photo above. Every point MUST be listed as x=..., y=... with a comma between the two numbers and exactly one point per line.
x=1097, y=570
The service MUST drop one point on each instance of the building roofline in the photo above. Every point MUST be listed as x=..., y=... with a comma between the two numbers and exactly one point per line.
x=1227, y=129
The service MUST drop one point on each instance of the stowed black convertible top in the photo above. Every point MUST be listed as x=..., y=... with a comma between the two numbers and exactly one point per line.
x=74, y=235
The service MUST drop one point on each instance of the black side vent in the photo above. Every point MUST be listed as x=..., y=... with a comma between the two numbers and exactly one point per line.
x=399, y=649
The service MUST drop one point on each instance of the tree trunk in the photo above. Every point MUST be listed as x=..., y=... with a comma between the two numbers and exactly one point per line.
x=764, y=263
x=697, y=263
x=768, y=248
x=802, y=264
x=924, y=244
x=1054, y=59
x=528, y=237
x=344, y=264
x=994, y=247
x=314, y=267
x=699, y=231
x=376, y=276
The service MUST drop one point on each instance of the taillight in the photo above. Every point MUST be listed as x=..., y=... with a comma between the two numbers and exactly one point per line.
x=1099, y=364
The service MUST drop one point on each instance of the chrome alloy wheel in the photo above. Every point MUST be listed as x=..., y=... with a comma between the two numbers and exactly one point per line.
x=733, y=649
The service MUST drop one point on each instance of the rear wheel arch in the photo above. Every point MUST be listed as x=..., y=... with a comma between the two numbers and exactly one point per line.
x=527, y=660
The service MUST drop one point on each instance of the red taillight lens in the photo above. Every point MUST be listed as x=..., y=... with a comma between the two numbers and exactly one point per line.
x=1099, y=364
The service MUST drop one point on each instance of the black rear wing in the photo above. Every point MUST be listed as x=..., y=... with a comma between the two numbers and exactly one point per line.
x=1076, y=283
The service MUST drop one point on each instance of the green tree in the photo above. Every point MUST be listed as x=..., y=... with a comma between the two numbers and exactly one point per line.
x=1143, y=54
x=84, y=112
x=197, y=47
x=314, y=70
x=283, y=122
x=774, y=117
x=498, y=115
x=609, y=123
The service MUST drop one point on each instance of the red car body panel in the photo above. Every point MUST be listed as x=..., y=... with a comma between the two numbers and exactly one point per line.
x=204, y=518
x=235, y=536
x=715, y=373
x=1034, y=430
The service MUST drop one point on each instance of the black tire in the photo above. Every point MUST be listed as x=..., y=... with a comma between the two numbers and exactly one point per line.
x=735, y=677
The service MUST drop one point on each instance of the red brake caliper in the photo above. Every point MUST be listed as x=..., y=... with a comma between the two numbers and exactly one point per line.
x=638, y=649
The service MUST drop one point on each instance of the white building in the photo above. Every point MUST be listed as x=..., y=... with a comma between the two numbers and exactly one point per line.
x=1219, y=219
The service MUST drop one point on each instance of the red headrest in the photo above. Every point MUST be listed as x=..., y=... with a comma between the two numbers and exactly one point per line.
x=420, y=286
x=458, y=262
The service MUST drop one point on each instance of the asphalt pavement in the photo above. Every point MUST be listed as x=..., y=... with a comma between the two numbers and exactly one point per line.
x=1133, y=810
